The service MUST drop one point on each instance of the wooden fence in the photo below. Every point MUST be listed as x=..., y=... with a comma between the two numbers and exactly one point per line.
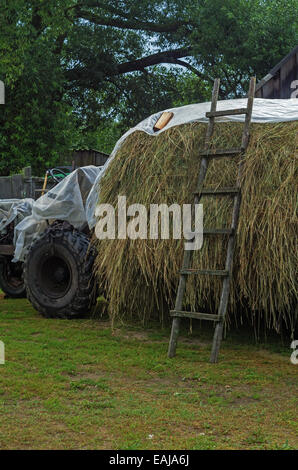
x=21, y=185
x=26, y=185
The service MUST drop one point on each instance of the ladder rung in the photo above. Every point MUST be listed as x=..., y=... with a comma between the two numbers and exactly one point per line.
x=219, y=192
x=195, y=315
x=221, y=152
x=210, y=272
x=227, y=112
x=218, y=231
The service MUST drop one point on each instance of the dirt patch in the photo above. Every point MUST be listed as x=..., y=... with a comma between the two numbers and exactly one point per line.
x=273, y=357
x=141, y=336
x=193, y=340
x=88, y=376
x=243, y=401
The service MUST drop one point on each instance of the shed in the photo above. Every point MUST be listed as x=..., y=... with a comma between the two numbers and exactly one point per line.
x=282, y=80
x=84, y=157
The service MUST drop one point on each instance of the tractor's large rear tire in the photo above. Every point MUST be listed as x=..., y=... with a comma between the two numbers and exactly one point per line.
x=58, y=273
x=11, y=278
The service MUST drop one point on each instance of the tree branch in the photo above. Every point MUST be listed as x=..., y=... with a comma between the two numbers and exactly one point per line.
x=125, y=21
x=193, y=69
x=166, y=57
x=59, y=43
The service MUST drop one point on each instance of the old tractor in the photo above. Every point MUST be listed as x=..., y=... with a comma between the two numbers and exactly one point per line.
x=45, y=249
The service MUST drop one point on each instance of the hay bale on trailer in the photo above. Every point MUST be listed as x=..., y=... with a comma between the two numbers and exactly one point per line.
x=140, y=276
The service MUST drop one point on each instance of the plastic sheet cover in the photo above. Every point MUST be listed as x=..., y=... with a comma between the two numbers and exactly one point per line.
x=14, y=210
x=66, y=201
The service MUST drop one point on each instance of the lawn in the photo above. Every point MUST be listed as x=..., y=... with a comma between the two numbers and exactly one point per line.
x=78, y=385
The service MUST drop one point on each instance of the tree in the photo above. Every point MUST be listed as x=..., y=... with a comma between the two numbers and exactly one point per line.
x=232, y=39
x=35, y=124
x=73, y=67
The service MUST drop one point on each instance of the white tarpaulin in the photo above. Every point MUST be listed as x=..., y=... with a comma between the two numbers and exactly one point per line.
x=14, y=210
x=66, y=201
x=264, y=111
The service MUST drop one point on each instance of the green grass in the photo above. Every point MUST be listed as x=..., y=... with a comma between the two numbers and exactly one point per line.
x=77, y=385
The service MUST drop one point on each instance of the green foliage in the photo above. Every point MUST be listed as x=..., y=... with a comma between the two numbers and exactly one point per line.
x=35, y=122
x=238, y=38
x=102, y=137
x=81, y=73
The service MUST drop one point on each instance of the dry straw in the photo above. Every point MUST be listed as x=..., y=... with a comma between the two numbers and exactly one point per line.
x=140, y=277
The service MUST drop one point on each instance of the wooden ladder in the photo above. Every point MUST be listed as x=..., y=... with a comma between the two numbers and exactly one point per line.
x=225, y=274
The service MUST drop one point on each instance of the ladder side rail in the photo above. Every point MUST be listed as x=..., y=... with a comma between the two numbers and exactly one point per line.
x=224, y=298
x=187, y=257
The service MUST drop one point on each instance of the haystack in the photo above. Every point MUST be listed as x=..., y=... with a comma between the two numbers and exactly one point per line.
x=140, y=277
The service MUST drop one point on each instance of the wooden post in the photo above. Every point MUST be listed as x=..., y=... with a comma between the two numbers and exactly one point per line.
x=5, y=187
x=28, y=188
x=17, y=186
x=235, y=219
